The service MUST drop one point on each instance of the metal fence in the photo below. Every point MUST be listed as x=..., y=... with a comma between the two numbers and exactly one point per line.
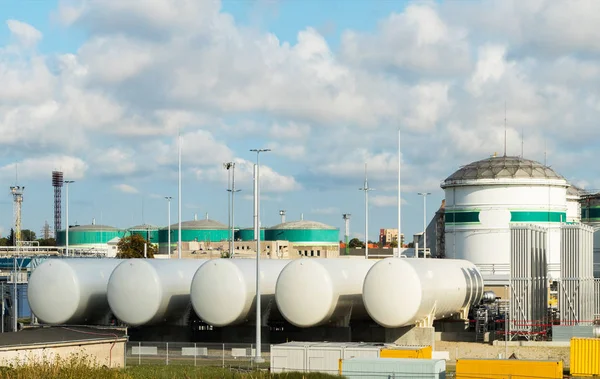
x=240, y=356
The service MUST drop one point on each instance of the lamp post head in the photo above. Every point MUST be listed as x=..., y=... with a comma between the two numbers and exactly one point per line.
x=168, y=198
x=259, y=150
x=69, y=181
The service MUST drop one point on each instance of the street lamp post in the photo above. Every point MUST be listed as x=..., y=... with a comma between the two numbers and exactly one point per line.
x=366, y=189
x=67, y=182
x=168, y=225
x=424, y=194
x=258, y=356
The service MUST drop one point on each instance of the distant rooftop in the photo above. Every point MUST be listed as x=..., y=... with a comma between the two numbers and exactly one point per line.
x=204, y=224
x=92, y=227
x=303, y=224
x=144, y=227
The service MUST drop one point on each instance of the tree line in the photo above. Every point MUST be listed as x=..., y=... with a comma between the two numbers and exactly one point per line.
x=27, y=235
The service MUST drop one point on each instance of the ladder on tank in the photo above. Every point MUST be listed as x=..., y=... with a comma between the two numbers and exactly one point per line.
x=481, y=323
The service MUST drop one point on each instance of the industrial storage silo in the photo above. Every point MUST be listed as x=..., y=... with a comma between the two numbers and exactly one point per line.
x=247, y=234
x=89, y=236
x=574, y=203
x=483, y=198
x=147, y=231
x=308, y=238
x=590, y=215
x=203, y=231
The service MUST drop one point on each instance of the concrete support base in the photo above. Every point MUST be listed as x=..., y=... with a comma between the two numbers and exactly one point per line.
x=410, y=336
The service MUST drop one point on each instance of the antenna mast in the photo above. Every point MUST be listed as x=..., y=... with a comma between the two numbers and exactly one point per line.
x=505, y=128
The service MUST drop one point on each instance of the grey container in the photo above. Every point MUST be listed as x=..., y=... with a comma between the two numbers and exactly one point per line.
x=382, y=368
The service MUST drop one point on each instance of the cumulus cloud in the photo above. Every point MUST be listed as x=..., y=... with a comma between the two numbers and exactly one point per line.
x=26, y=35
x=125, y=188
x=73, y=168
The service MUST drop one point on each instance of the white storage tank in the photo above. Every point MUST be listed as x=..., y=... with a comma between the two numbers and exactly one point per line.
x=223, y=291
x=406, y=291
x=150, y=291
x=71, y=291
x=483, y=198
x=313, y=292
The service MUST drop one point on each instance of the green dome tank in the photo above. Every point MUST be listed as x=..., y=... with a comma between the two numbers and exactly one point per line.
x=247, y=234
x=304, y=232
x=87, y=235
x=196, y=230
x=147, y=231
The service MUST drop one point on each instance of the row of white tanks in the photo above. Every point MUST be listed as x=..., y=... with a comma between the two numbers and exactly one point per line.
x=306, y=292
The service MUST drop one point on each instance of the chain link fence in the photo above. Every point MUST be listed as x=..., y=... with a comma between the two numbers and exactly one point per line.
x=234, y=356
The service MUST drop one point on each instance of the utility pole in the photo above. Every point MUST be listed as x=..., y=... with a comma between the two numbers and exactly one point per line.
x=168, y=225
x=232, y=190
x=67, y=182
x=258, y=357
x=366, y=189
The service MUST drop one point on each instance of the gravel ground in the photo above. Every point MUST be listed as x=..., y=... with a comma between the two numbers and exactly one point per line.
x=480, y=350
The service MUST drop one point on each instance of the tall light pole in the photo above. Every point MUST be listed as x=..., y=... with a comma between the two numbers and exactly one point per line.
x=366, y=189
x=168, y=225
x=399, y=197
x=282, y=214
x=179, y=201
x=231, y=165
x=258, y=356
x=67, y=182
x=424, y=194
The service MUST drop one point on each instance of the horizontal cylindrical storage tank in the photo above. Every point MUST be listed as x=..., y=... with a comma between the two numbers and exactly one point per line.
x=150, y=291
x=312, y=292
x=508, y=368
x=399, y=291
x=247, y=234
x=223, y=291
x=70, y=291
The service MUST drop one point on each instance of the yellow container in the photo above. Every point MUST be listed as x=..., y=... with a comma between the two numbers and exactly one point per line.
x=423, y=352
x=585, y=356
x=508, y=368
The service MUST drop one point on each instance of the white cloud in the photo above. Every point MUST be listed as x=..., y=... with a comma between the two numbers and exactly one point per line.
x=38, y=168
x=126, y=188
x=270, y=181
x=27, y=35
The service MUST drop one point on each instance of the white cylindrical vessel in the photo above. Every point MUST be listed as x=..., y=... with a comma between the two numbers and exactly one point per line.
x=70, y=291
x=151, y=291
x=223, y=291
x=313, y=292
x=400, y=292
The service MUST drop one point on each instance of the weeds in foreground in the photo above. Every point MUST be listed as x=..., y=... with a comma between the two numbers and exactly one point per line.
x=85, y=367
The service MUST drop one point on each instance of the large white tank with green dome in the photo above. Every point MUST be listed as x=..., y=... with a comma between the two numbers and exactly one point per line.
x=88, y=236
x=196, y=230
x=483, y=198
x=247, y=234
x=304, y=232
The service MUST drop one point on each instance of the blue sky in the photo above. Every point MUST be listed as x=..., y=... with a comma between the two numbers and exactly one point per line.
x=100, y=89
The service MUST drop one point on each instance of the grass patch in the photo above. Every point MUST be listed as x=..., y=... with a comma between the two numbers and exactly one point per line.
x=83, y=367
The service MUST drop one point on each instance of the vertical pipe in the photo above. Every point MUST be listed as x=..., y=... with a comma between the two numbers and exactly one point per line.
x=179, y=202
x=399, y=196
x=424, y=226
x=14, y=302
x=231, y=252
x=256, y=227
x=258, y=357
x=145, y=250
x=229, y=194
x=169, y=227
x=67, y=217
